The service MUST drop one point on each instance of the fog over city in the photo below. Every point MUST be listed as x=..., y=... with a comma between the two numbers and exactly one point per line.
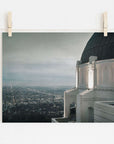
x=42, y=59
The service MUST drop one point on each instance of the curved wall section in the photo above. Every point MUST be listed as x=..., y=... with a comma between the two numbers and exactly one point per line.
x=83, y=76
x=105, y=74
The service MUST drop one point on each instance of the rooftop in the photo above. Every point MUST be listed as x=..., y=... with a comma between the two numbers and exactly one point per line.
x=100, y=46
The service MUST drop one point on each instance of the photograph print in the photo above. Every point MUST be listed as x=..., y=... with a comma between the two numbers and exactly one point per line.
x=58, y=77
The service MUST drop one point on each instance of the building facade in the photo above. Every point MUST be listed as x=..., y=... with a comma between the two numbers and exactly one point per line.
x=93, y=96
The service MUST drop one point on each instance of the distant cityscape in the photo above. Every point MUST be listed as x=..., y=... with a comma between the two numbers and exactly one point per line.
x=37, y=69
x=32, y=104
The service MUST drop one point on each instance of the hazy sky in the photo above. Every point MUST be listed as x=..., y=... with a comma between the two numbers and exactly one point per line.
x=42, y=59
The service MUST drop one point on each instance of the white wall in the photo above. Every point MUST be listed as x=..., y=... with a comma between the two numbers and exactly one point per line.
x=86, y=100
x=69, y=98
x=73, y=15
x=83, y=76
x=105, y=74
x=104, y=112
x=78, y=15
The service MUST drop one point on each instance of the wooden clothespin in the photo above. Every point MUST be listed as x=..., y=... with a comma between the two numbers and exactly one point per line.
x=105, y=24
x=9, y=24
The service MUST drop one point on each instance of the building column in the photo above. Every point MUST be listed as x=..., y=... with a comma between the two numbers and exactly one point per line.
x=92, y=72
x=66, y=105
x=77, y=73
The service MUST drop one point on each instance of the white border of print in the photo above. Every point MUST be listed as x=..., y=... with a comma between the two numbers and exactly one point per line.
x=52, y=133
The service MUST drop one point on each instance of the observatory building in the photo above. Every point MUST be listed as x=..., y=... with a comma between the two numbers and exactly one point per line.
x=92, y=100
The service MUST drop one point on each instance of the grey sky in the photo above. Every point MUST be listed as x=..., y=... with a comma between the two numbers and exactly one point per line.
x=43, y=59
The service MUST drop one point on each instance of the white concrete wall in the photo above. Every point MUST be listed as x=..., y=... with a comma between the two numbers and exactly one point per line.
x=104, y=112
x=87, y=99
x=69, y=98
x=83, y=76
x=105, y=74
